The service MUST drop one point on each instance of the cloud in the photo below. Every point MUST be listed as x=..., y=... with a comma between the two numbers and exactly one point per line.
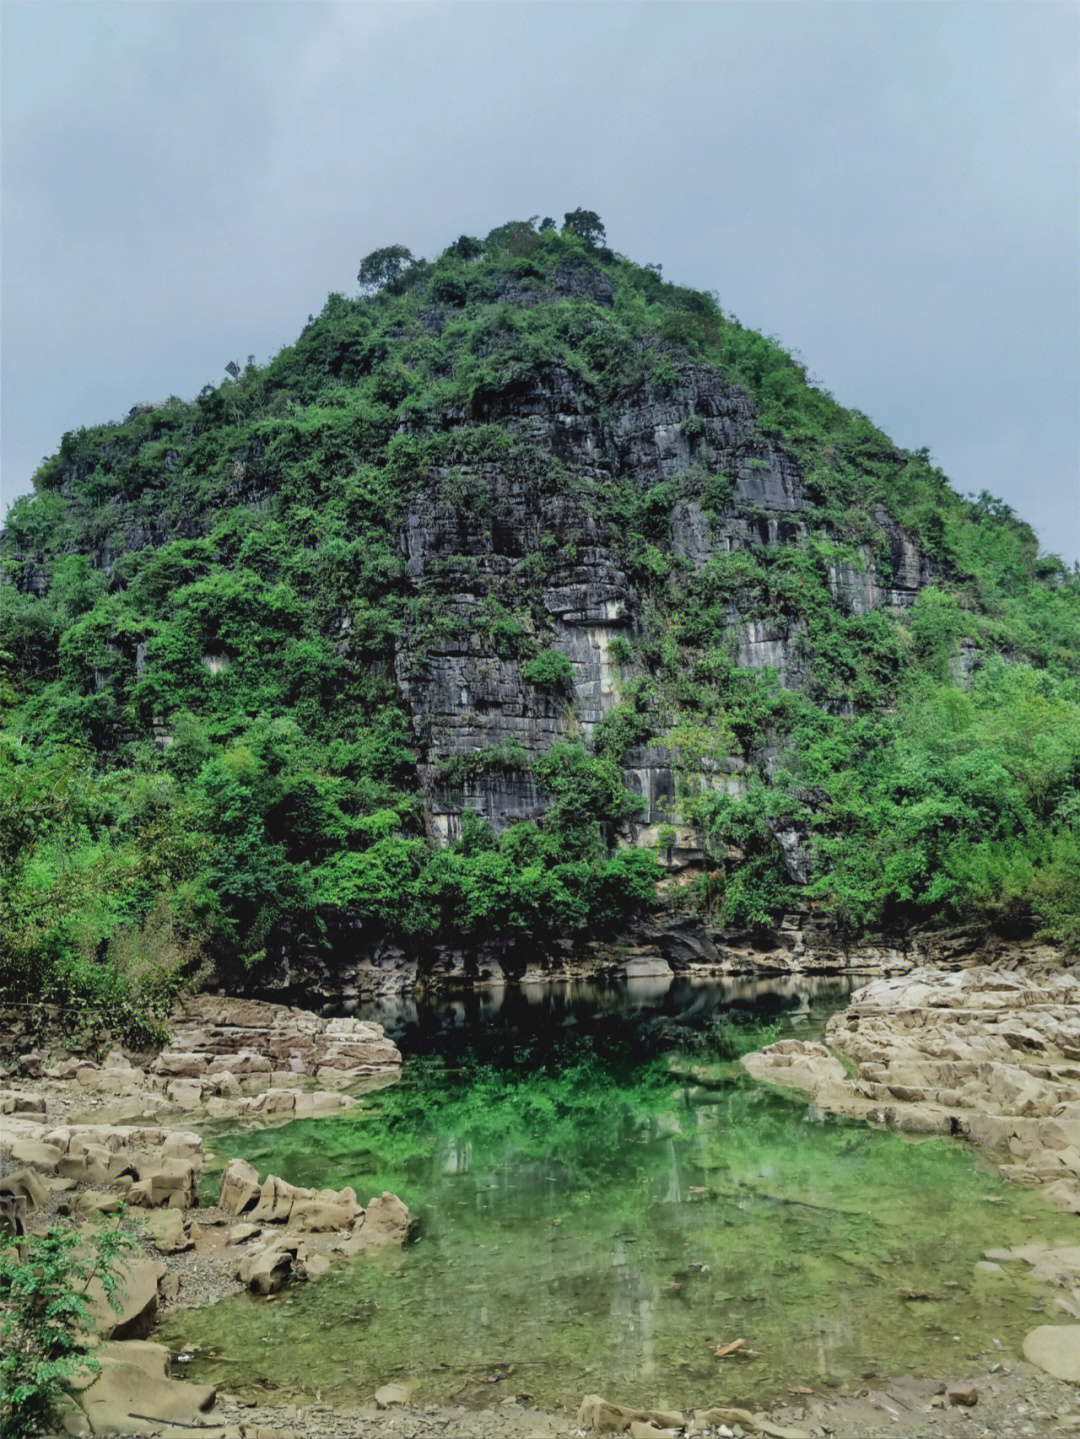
x=893, y=190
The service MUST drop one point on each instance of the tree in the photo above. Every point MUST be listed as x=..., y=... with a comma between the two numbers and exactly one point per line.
x=518, y=237
x=586, y=225
x=382, y=267
x=467, y=247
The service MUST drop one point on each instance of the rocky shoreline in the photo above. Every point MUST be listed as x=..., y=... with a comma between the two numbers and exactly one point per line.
x=665, y=944
x=988, y=1052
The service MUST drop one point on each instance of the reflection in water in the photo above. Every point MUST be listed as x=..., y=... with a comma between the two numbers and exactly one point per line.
x=489, y=1019
x=588, y=1223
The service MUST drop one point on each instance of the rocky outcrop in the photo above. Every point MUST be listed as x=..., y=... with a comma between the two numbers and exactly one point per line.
x=985, y=1053
x=227, y=1058
x=295, y=1230
x=472, y=533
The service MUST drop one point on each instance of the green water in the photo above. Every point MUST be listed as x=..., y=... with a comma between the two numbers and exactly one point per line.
x=586, y=1222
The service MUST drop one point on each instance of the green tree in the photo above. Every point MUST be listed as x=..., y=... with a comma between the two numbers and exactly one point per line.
x=586, y=225
x=382, y=268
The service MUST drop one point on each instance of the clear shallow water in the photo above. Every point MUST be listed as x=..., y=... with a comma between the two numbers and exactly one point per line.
x=588, y=1222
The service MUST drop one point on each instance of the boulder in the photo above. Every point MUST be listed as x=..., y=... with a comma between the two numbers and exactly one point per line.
x=311, y=1266
x=166, y=1228
x=388, y=1394
x=599, y=1416
x=272, y=1101
x=276, y=1200
x=20, y=1195
x=35, y=1154
x=96, y=1201
x=138, y=1296
x=264, y=1271
x=164, y=1182
x=179, y=1144
x=26, y=1185
x=326, y=1211
x=184, y=1093
x=386, y=1221
x=239, y=1187
x=241, y=1233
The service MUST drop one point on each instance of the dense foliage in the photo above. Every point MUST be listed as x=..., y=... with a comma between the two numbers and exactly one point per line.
x=204, y=737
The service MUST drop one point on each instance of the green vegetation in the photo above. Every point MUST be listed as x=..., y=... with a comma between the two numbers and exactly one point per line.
x=46, y=1326
x=550, y=670
x=209, y=608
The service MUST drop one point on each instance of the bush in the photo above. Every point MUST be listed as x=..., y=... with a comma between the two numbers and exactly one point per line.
x=45, y=1319
x=550, y=670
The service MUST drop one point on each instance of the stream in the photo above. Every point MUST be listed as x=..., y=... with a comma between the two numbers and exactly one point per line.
x=602, y=1199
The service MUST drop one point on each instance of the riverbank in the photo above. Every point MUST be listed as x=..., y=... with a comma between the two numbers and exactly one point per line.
x=1021, y=1402
x=989, y=1053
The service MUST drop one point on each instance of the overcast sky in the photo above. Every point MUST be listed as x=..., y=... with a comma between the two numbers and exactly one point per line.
x=892, y=190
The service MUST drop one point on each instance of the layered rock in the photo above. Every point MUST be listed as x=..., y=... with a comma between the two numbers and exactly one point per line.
x=984, y=1053
x=470, y=534
x=290, y=1229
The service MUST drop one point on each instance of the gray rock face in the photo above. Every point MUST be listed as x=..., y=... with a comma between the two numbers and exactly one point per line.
x=478, y=532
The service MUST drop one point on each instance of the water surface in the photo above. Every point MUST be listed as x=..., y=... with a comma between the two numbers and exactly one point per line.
x=588, y=1221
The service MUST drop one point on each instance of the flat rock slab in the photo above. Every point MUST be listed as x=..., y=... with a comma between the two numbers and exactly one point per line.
x=1055, y=1348
x=132, y=1394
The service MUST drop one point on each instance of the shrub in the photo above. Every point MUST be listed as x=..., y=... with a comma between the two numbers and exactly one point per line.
x=45, y=1319
x=550, y=670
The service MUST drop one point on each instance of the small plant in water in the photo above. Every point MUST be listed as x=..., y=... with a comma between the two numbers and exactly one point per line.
x=45, y=1320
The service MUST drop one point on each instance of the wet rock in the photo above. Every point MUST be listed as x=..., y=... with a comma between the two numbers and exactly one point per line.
x=326, y=1211
x=986, y=1052
x=751, y=1423
x=386, y=1220
x=388, y=1394
x=963, y=1396
x=598, y=1416
x=265, y=1271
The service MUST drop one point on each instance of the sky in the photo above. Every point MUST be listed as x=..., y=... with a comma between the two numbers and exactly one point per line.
x=891, y=190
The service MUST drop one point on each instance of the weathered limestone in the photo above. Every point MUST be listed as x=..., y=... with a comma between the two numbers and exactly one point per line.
x=138, y=1281
x=239, y=1187
x=990, y=1055
x=230, y=1058
x=133, y=1393
x=310, y=1226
